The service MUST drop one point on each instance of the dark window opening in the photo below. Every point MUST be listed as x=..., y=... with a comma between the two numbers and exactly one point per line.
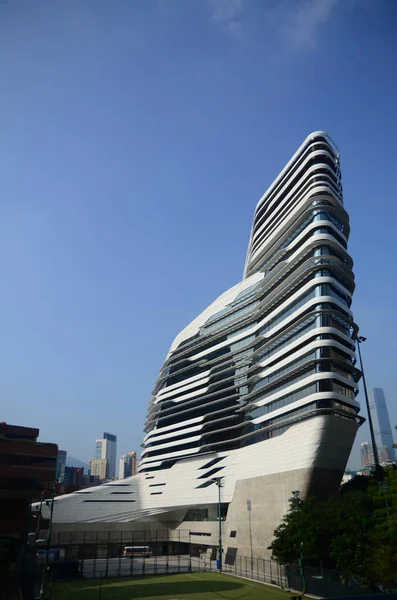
x=211, y=472
x=211, y=463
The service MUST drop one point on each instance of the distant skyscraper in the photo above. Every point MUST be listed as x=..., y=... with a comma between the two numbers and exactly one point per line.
x=61, y=463
x=122, y=467
x=73, y=476
x=98, y=449
x=99, y=467
x=367, y=455
x=106, y=448
x=382, y=427
x=127, y=465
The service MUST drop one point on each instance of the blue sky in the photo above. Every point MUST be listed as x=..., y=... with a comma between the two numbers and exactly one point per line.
x=136, y=139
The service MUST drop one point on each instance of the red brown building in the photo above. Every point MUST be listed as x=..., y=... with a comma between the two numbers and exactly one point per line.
x=27, y=469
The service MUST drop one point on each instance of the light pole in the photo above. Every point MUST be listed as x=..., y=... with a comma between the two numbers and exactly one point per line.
x=42, y=587
x=359, y=340
x=220, y=483
x=296, y=495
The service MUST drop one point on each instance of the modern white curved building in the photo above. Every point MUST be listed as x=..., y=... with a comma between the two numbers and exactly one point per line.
x=260, y=389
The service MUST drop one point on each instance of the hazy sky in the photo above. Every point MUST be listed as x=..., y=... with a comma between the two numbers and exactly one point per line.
x=136, y=139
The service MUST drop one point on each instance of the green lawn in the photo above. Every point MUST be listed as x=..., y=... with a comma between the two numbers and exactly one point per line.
x=189, y=586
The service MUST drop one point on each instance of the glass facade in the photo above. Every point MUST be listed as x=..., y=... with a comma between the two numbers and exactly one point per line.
x=381, y=421
x=278, y=347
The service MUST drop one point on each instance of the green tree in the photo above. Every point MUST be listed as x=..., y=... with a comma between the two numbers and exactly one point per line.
x=304, y=528
x=354, y=530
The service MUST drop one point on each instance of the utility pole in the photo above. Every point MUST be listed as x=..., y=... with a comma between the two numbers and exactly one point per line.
x=220, y=483
x=42, y=588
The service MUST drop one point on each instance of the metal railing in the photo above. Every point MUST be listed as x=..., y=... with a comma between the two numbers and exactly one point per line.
x=316, y=581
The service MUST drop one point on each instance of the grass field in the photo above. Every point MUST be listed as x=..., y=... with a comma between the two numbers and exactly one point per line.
x=189, y=586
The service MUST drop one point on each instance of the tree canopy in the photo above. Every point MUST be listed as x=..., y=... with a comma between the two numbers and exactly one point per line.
x=354, y=530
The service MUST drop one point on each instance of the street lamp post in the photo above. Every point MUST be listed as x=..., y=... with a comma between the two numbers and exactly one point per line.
x=219, y=482
x=359, y=340
x=296, y=495
x=42, y=587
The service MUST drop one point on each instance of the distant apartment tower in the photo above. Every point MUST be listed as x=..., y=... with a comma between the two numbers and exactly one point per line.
x=99, y=468
x=106, y=449
x=73, y=476
x=367, y=455
x=61, y=463
x=127, y=465
x=382, y=427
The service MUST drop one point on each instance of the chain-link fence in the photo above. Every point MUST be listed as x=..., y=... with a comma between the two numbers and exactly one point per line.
x=94, y=555
x=315, y=581
x=125, y=554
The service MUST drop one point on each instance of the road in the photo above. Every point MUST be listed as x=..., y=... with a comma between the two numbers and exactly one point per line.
x=122, y=567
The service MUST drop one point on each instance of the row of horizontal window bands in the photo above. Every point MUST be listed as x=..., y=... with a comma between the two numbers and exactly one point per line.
x=311, y=181
x=229, y=385
x=307, y=215
x=219, y=431
x=290, y=397
x=290, y=330
x=178, y=371
x=246, y=435
x=274, y=427
x=264, y=303
x=217, y=374
x=277, y=342
x=286, y=270
x=308, y=189
x=215, y=423
x=313, y=148
x=269, y=257
x=314, y=230
x=218, y=420
x=188, y=405
x=183, y=350
x=294, y=174
x=313, y=185
x=222, y=436
x=225, y=412
x=290, y=417
x=202, y=514
x=320, y=162
x=259, y=314
x=294, y=282
x=313, y=268
x=266, y=348
x=311, y=364
x=316, y=387
x=330, y=290
x=234, y=311
x=280, y=425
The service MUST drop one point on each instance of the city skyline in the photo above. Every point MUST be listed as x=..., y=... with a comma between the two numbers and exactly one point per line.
x=137, y=147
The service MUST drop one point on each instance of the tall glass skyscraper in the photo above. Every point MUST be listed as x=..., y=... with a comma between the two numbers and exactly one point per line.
x=106, y=448
x=259, y=389
x=381, y=422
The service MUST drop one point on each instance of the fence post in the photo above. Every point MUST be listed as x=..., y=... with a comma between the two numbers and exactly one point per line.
x=95, y=555
x=190, y=552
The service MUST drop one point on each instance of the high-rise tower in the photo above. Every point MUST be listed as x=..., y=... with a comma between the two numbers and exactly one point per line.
x=382, y=427
x=260, y=389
